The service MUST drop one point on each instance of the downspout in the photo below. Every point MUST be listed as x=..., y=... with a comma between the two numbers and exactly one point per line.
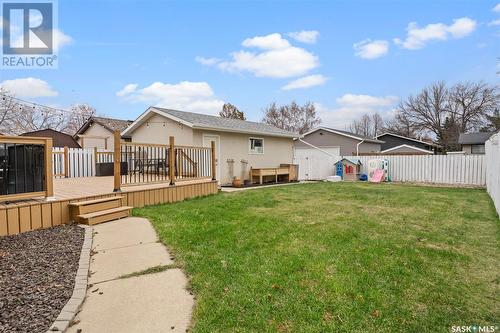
x=357, y=146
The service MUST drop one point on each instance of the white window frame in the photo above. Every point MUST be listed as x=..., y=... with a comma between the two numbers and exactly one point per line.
x=250, y=152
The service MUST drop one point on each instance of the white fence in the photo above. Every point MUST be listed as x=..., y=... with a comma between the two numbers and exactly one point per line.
x=493, y=169
x=81, y=161
x=439, y=169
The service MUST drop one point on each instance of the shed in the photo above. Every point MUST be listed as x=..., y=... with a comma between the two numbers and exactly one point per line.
x=348, y=168
x=59, y=139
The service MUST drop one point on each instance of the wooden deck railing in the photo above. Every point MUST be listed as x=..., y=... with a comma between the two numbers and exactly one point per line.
x=25, y=168
x=145, y=163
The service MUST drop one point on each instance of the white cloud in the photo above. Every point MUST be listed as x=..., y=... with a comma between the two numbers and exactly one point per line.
x=127, y=90
x=417, y=37
x=185, y=95
x=496, y=8
x=61, y=39
x=268, y=42
x=306, y=82
x=305, y=36
x=29, y=87
x=276, y=59
x=207, y=61
x=368, y=49
x=351, y=107
x=494, y=23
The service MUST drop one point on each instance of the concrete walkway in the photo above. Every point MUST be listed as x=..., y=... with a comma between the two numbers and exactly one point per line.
x=155, y=302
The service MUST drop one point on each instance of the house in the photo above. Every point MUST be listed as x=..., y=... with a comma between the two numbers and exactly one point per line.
x=398, y=144
x=98, y=132
x=59, y=139
x=240, y=145
x=473, y=143
x=335, y=142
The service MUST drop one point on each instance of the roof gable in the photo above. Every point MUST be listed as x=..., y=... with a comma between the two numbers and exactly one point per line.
x=408, y=138
x=417, y=149
x=110, y=124
x=343, y=133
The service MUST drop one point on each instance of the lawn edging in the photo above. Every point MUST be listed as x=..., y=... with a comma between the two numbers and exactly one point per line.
x=74, y=304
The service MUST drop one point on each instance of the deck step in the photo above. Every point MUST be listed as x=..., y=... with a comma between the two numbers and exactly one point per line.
x=104, y=215
x=94, y=201
x=91, y=206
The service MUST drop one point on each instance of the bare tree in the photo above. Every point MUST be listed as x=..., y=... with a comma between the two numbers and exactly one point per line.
x=231, y=111
x=368, y=125
x=471, y=103
x=401, y=125
x=29, y=118
x=428, y=110
x=445, y=112
x=7, y=107
x=292, y=117
x=79, y=115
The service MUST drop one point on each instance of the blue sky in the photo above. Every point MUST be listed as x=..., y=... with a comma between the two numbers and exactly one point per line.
x=348, y=57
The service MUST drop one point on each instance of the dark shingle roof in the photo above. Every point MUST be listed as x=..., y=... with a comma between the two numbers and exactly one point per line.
x=219, y=123
x=113, y=124
x=474, y=138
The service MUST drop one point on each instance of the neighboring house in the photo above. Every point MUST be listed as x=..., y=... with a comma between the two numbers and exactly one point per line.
x=240, y=145
x=98, y=132
x=397, y=144
x=335, y=142
x=59, y=139
x=473, y=143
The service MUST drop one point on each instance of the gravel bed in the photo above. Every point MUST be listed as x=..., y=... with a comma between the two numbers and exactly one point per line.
x=37, y=275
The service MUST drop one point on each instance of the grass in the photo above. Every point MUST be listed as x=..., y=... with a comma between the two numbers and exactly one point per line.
x=347, y=257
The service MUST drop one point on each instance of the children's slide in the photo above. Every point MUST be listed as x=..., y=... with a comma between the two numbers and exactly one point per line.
x=377, y=177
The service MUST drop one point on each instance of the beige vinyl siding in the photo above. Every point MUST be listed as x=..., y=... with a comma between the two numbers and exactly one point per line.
x=235, y=149
x=158, y=129
x=97, y=130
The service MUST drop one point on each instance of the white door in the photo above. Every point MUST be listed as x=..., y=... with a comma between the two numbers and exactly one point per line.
x=315, y=164
x=207, y=142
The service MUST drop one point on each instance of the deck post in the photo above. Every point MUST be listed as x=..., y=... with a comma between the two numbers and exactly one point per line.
x=171, y=160
x=214, y=172
x=49, y=178
x=117, y=160
x=66, y=162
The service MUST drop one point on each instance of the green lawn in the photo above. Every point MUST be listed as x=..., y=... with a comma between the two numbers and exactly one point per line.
x=331, y=257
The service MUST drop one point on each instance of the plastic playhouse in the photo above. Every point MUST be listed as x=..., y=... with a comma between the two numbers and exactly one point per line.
x=378, y=170
x=348, y=168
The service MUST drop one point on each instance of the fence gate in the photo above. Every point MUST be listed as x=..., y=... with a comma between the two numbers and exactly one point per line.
x=316, y=164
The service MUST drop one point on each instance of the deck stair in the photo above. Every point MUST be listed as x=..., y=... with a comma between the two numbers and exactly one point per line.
x=98, y=210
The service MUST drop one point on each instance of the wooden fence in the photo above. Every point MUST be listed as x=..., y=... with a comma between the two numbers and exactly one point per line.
x=493, y=169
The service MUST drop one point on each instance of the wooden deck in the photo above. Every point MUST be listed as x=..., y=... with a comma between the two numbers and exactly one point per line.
x=35, y=213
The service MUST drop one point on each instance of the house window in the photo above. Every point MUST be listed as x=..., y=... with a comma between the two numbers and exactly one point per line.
x=256, y=146
x=477, y=149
